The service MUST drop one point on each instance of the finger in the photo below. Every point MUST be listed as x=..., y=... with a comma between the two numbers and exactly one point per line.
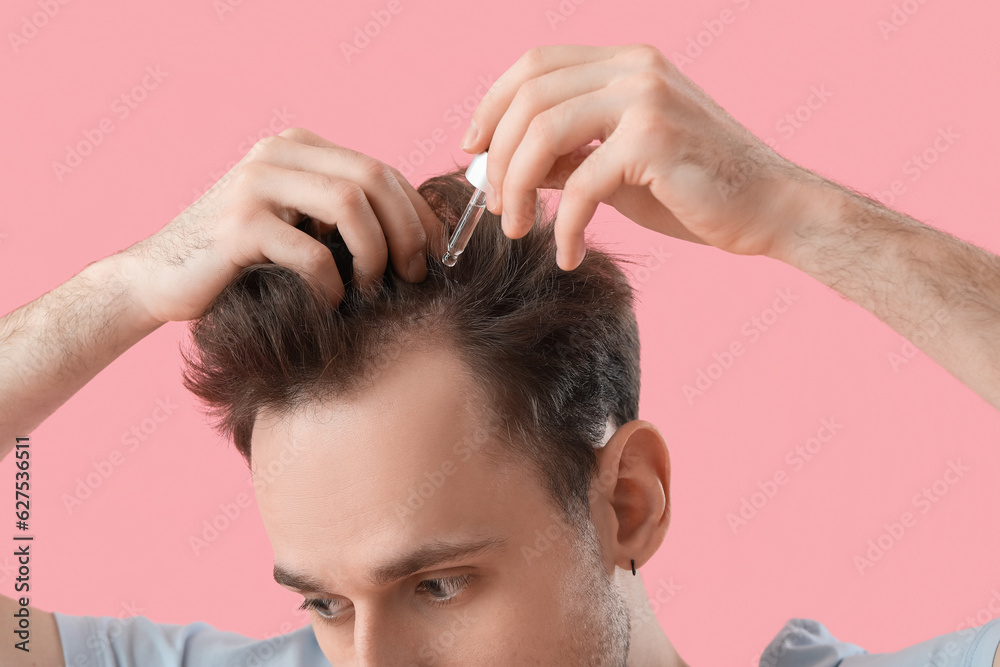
x=337, y=202
x=403, y=227
x=534, y=63
x=595, y=180
x=428, y=218
x=277, y=241
x=304, y=136
x=534, y=97
x=434, y=228
x=553, y=133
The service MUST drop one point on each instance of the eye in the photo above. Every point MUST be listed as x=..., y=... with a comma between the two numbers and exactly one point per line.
x=322, y=608
x=443, y=591
x=439, y=591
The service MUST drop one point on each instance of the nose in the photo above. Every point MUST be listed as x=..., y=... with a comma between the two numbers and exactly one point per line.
x=379, y=640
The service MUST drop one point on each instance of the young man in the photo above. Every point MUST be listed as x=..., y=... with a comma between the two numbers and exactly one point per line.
x=508, y=380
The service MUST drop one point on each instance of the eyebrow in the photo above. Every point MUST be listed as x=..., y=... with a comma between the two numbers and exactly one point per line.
x=429, y=555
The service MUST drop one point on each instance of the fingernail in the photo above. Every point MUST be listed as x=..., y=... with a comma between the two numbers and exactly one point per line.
x=417, y=262
x=574, y=256
x=471, y=135
x=491, y=197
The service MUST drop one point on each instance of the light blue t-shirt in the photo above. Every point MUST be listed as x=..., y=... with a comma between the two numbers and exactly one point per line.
x=805, y=643
x=136, y=641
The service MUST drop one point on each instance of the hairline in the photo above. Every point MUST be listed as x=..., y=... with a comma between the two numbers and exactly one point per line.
x=511, y=450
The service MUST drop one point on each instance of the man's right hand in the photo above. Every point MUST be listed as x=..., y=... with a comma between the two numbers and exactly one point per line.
x=249, y=217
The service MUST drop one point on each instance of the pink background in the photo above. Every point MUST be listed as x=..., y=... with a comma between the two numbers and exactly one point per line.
x=224, y=75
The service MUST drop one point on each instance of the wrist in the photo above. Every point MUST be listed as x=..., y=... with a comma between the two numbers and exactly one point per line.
x=814, y=214
x=840, y=236
x=119, y=275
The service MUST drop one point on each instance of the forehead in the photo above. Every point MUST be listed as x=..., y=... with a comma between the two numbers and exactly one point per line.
x=404, y=458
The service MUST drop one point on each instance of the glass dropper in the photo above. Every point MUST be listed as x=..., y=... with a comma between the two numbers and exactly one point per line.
x=476, y=175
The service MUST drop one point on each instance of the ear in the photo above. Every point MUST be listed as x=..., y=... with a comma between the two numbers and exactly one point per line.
x=630, y=496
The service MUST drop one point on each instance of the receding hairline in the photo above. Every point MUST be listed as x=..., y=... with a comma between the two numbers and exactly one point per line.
x=499, y=447
x=410, y=339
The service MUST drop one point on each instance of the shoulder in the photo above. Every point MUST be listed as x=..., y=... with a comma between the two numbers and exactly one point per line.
x=137, y=640
x=807, y=643
x=30, y=635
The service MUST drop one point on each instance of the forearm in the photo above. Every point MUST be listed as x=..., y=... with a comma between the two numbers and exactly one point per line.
x=54, y=345
x=940, y=293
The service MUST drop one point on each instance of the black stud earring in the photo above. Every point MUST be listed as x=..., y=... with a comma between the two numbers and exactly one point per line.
x=633, y=567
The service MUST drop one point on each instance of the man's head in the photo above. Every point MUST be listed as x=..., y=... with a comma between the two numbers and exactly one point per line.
x=453, y=468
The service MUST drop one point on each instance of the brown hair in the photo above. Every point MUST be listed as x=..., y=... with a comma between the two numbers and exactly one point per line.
x=556, y=351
